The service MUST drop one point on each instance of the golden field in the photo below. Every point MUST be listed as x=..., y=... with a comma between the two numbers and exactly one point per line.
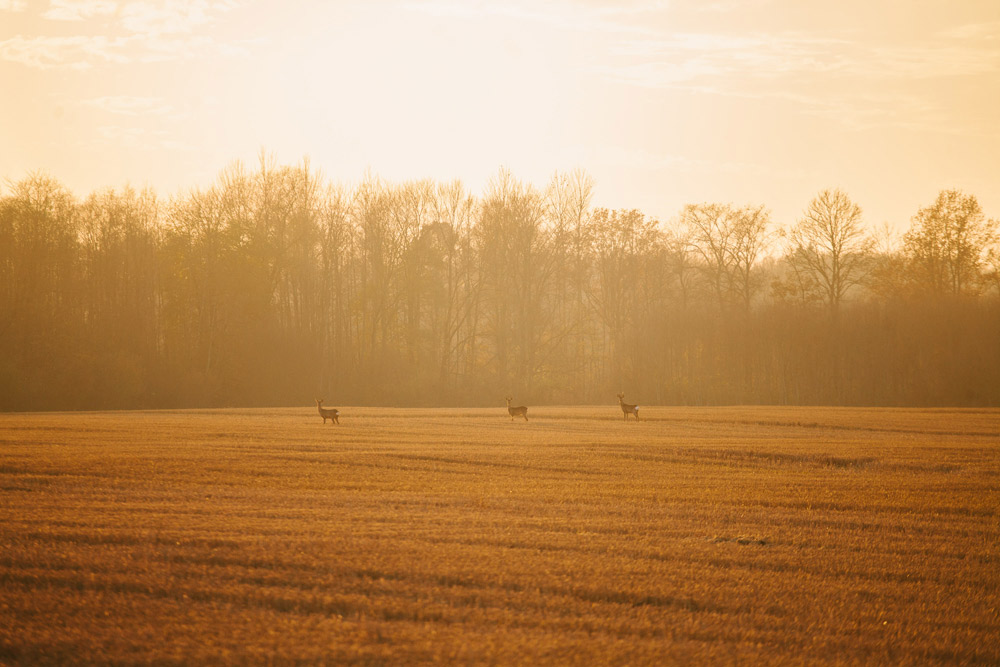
x=709, y=535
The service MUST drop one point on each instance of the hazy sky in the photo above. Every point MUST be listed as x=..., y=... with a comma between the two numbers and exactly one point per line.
x=663, y=103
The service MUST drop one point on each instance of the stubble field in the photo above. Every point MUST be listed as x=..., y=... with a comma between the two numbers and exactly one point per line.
x=711, y=535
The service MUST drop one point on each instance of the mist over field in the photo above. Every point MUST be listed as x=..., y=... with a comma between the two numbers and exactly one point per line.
x=275, y=286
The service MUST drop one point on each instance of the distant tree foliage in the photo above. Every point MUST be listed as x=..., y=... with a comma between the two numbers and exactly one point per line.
x=830, y=250
x=273, y=286
x=729, y=242
x=948, y=244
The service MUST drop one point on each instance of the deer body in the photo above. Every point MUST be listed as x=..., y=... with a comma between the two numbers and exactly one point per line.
x=628, y=409
x=332, y=414
x=516, y=411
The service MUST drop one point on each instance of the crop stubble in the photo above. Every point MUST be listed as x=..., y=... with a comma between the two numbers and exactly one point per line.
x=407, y=535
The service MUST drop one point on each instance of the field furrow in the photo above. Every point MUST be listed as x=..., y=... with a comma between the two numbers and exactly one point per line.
x=716, y=535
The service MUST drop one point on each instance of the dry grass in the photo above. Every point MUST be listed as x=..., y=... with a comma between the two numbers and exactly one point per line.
x=407, y=536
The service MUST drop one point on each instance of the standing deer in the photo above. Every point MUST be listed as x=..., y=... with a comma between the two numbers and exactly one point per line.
x=521, y=410
x=628, y=409
x=332, y=414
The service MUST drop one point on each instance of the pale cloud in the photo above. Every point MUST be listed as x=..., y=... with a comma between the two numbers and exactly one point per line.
x=242, y=49
x=143, y=16
x=726, y=6
x=127, y=105
x=645, y=160
x=86, y=52
x=560, y=14
x=687, y=57
x=988, y=30
x=859, y=85
x=13, y=5
x=137, y=138
x=169, y=16
x=908, y=111
x=700, y=57
x=859, y=111
x=159, y=48
x=78, y=10
x=635, y=8
x=74, y=52
x=924, y=62
x=132, y=32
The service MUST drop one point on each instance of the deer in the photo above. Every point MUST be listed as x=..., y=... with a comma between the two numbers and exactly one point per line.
x=332, y=414
x=515, y=411
x=628, y=409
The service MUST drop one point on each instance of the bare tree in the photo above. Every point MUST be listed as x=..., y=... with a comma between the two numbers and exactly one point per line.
x=728, y=241
x=514, y=258
x=624, y=242
x=830, y=250
x=680, y=262
x=750, y=237
x=119, y=243
x=709, y=231
x=567, y=203
x=39, y=271
x=336, y=256
x=451, y=265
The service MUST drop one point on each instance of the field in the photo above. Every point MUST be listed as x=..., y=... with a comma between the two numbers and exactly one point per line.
x=709, y=535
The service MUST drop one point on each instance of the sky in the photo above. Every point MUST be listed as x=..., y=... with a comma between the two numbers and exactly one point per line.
x=663, y=103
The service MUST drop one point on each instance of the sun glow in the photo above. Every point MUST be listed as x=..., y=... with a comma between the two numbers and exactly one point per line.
x=663, y=103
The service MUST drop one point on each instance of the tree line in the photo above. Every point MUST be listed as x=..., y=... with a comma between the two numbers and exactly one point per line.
x=274, y=286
